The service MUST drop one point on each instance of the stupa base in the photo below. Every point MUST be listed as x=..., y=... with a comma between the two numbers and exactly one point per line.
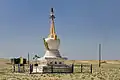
x=52, y=69
x=51, y=65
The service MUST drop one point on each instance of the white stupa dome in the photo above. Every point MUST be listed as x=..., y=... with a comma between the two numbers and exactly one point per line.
x=53, y=44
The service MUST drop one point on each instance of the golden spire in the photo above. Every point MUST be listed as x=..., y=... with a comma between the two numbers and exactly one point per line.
x=52, y=28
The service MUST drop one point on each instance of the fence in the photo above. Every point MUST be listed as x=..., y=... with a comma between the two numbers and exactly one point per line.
x=57, y=69
x=83, y=68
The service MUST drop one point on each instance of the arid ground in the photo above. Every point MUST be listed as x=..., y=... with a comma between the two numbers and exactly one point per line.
x=110, y=70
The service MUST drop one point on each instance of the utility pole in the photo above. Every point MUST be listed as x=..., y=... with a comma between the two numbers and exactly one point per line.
x=28, y=59
x=99, y=55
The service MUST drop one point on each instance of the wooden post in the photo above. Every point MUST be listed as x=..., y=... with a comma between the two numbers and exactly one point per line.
x=91, y=68
x=13, y=62
x=51, y=68
x=99, y=55
x=31, y=68
x=28, y=59
x=18, y=67
x=36, y=64
x=23, y=68
x=81, y=68
x=72, y=67
x=13, y=67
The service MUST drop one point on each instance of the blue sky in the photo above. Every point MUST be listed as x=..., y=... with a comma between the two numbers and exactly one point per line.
x=80, y=24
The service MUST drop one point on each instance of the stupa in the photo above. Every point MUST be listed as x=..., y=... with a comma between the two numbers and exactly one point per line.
x=52, y=55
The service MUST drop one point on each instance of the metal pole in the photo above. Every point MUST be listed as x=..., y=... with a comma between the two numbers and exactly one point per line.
x=99, y=55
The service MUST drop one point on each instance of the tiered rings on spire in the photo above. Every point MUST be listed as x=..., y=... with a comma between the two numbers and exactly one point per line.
x=52, y=28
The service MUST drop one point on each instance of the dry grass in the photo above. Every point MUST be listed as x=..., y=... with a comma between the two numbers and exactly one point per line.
x=110, y=70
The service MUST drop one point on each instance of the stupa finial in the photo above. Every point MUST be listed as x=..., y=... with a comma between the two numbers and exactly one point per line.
x=52, y=28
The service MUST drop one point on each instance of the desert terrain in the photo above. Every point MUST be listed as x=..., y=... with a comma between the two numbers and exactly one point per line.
x=110, y=70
